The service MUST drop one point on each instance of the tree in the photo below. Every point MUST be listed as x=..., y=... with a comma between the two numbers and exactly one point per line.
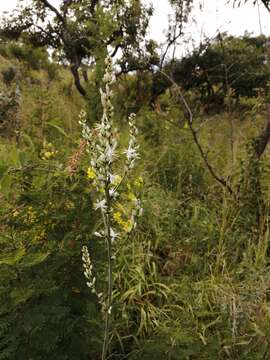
x=181, y=11
x=81, y=30
x=266, y=3
x=223, y=66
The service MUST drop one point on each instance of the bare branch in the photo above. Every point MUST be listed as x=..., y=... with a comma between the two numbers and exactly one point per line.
x=189, y=117
x=266, y=3
x=53, y=9
x=170, y=43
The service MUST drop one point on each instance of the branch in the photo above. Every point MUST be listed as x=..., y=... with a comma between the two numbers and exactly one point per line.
x=189, y=117
x=266, y=3
x=264, y=137
x=115, y=50
x=170, y=43
x=65, y=7
x=92, y=5
x=76, y=75
x=48, y=34
x=53, y=9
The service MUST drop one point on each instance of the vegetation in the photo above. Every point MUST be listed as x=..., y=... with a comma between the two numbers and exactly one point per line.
x=187, y=280
x=117, y=24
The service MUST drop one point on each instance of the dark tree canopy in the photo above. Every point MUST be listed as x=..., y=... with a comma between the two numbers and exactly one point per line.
x=81, y=30
x=266, y=3
x=227, y=64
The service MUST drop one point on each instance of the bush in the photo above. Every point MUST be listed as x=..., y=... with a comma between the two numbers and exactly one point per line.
x=8, y=75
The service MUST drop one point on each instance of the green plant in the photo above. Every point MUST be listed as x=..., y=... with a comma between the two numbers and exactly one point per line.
x=101, y=144
x=8, y=75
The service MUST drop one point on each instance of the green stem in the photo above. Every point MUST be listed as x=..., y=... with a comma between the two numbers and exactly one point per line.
x=109, y=260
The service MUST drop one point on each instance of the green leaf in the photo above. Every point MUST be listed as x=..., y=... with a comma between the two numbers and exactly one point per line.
x=13, y=258
x=28, y=141
x=5, y=185
x=35, y=258
x=40, y=181
x=14, y=157
x=21, y=295
x=58, y=128
x=3, y=170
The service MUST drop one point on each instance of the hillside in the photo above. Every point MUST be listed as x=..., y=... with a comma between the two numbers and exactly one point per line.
x=190, y=282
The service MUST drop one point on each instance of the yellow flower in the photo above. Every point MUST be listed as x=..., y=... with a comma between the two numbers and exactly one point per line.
x=91, y=174
x=131, y=196
x=127, y=225
x=138, y=182
x=47, y=155
x=118, y=217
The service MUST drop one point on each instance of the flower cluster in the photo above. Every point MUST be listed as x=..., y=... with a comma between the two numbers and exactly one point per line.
x=48, y=151
x=101, y=142
x=101, y=145
x=133, y=146
x=88, y=267
x=126, y=225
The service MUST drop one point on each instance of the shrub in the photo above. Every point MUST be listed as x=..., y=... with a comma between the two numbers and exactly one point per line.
x=8, y=75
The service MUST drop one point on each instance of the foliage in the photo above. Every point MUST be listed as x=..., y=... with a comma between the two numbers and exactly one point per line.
x=221, y=68
x=9, y=110
x=265, y=3
x=191, y=283
x=80, y=31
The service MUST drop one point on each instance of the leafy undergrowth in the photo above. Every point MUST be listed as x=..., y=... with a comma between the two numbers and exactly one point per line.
x=193, y=281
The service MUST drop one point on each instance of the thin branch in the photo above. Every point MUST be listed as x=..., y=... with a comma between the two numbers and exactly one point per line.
x=115, y=50
x=53, y=9
x=189, y=117
x=170, y=43
x=266, y=3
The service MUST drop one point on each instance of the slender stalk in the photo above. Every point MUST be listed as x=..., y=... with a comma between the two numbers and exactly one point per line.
x=109, y=260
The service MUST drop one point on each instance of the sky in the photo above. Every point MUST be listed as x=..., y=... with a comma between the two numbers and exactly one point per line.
x=216, y=15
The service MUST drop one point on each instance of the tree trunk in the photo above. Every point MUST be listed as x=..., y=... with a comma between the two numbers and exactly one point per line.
x=85, y=75
x=77, y=80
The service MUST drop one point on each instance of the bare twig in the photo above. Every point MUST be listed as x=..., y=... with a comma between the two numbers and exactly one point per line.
x=170, y=43
x=53, y=9
x=266, y=3
x=189, y=117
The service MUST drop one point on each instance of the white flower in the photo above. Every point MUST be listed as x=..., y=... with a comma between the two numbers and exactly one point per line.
x=91, y=280
x=113, y=234
x=103, y=98
x=113, y=193
x=110, y=153
x=99, y=234
x=102, y=205
x=131, y=153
